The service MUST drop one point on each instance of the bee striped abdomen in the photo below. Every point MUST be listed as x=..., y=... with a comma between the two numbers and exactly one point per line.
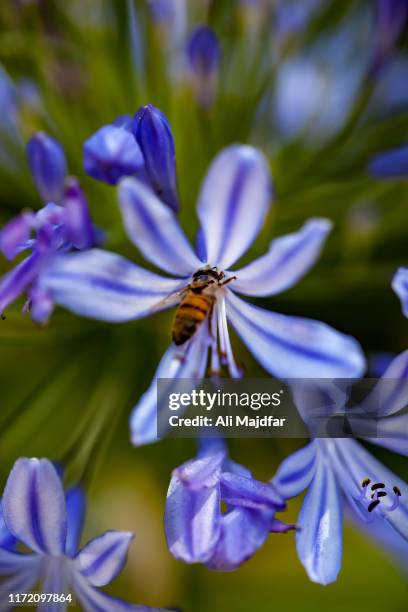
x=191, y=312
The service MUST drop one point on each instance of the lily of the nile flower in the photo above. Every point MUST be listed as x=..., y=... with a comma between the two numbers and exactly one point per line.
x=204, y=55
x=390, y=164
x=234, y=200
x=340, y=472
x=63, y=224
x=197, y=530
x=37, y=514
x=141, y=147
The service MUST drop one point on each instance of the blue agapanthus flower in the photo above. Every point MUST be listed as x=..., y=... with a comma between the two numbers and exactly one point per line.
x=198, y=531
x=38, y=514
x=234, y=201
x=140, y=146
x=63, y=224
x=340, y=473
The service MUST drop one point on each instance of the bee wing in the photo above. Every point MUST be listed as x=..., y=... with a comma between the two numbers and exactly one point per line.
x=170, y=300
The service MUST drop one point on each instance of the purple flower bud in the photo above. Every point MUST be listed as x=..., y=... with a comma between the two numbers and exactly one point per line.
x=48, y=166
x=78, y=224
x=152, y=132
x=204, y=56
x=112, y=153
x=204, y=51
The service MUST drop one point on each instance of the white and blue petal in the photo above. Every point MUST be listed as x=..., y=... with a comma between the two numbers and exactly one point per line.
x=233, y=203
x=105, y=286
x=154, y=229
x=187, y=361
x=287, y=260
x=34, y=506
x=192, y=521
x=400, y=286
x=289, y=346
x=295, y=473
x=319, y=539
x=103, y=558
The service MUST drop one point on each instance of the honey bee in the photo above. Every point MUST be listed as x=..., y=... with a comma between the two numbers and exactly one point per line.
x=196, y=304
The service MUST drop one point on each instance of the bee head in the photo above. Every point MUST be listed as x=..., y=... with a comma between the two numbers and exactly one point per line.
x=207, y=274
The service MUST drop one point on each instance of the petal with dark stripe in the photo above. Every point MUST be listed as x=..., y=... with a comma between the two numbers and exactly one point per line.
x=105, y=286
x=288, y=259
x=103, y=558
x=192, y=521
x=296, y=471
x=289, y=346
x=319, y=539
x=34, y=506
x=154, y=229
x=233, y=203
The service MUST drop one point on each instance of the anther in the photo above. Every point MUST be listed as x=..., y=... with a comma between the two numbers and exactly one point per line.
x=378, y=494
x=397, y=491
x=378, y=485
x=373, y=505
x=365, y=482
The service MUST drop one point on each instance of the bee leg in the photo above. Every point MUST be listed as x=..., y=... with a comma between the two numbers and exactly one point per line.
x=229, y=280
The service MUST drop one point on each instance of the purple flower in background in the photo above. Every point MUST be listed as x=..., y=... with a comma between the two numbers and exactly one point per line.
x=400, y=286
x=54, y=229
x=391, y=18
x=234, y=201
x=204, y=56
x=142, y=147
x=390, y=164
x=197, y=530
x=38, y=514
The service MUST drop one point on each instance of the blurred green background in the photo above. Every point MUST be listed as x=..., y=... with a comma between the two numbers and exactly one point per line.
x=67, y=389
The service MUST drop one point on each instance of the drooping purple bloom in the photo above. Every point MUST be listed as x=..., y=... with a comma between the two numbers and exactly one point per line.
x=234, y=200
x=390, y=164
x=400, y=286
x=48, y=166
x=204, y=56
x=53, y=229
x=153, y=135
x=340, y=471
x=197, y=530
x=112, y=153
x=38, y=514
